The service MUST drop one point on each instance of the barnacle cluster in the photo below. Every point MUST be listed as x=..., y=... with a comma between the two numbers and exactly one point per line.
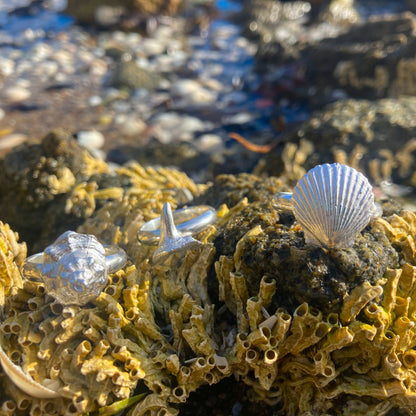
x=12, y=255
x=357, y=361
x=310, y=331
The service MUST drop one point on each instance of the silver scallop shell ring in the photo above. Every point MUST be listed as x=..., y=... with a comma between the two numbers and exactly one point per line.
x=173, y=231
x=75, y=267
x=332, y=203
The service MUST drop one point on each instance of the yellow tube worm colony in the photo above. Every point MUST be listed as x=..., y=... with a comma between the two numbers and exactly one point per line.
x=357, y=358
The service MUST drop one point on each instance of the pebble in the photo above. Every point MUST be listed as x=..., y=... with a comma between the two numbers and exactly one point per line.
x=241, y=118
x=209, y=143
x=6, y=67
x=95, y=100
x=98, y=153
x=170, y=126
x=91, y=139
x=17, y=94
x=152, y=47
x=132, y=126
x=194, y=92
x=184, y=87
x=11, y=140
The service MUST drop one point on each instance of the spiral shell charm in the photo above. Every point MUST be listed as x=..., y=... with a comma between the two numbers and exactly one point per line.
x=333, y=203
x=75, y=267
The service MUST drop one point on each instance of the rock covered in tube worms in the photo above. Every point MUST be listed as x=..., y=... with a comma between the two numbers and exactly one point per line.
x=333, y=203
x=74, y=269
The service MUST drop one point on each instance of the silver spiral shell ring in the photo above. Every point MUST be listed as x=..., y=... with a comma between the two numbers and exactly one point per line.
x=75, y=268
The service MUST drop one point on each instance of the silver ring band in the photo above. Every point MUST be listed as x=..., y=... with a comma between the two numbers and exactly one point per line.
x=283, y=201
x=188, y=221
x=115, y=259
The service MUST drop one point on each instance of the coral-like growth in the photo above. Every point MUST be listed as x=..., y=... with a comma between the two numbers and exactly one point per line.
x=309, y=331
x=12, y=255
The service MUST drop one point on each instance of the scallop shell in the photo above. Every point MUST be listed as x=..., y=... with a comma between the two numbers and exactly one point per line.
x=74, y=268
x=333, y=203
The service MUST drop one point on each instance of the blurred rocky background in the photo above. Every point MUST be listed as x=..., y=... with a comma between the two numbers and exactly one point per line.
x=165, y=82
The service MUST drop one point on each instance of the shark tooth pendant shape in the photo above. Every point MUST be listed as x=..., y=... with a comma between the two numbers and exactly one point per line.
x=171, y=240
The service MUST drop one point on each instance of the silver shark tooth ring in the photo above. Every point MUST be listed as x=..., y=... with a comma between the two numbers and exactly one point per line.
x=163, y=230
x=188, y=221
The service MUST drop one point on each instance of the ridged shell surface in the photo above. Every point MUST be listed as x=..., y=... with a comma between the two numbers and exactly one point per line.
x=333, y=203
x=74, y=268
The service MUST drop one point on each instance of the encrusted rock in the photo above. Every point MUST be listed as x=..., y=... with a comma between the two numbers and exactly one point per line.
x=357, y=133
x=373, y=59
x=34, y=181
x=261, y=242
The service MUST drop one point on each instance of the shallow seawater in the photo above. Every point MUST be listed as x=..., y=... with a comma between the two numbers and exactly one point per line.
x=20, y=25
x=64, y=74
x=44, y=52
x=379, y=7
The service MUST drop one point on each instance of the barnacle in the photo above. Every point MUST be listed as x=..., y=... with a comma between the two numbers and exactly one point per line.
x=12, y=255
x=309, y=360
x=65, y=343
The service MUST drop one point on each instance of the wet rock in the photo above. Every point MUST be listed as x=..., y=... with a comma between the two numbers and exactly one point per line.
x=129, y=74
x=373, y=59
x=411, y=4
x=375, y=137
x=341, y=12
x=109, y=11
x=17, y=94
x=276, y=26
